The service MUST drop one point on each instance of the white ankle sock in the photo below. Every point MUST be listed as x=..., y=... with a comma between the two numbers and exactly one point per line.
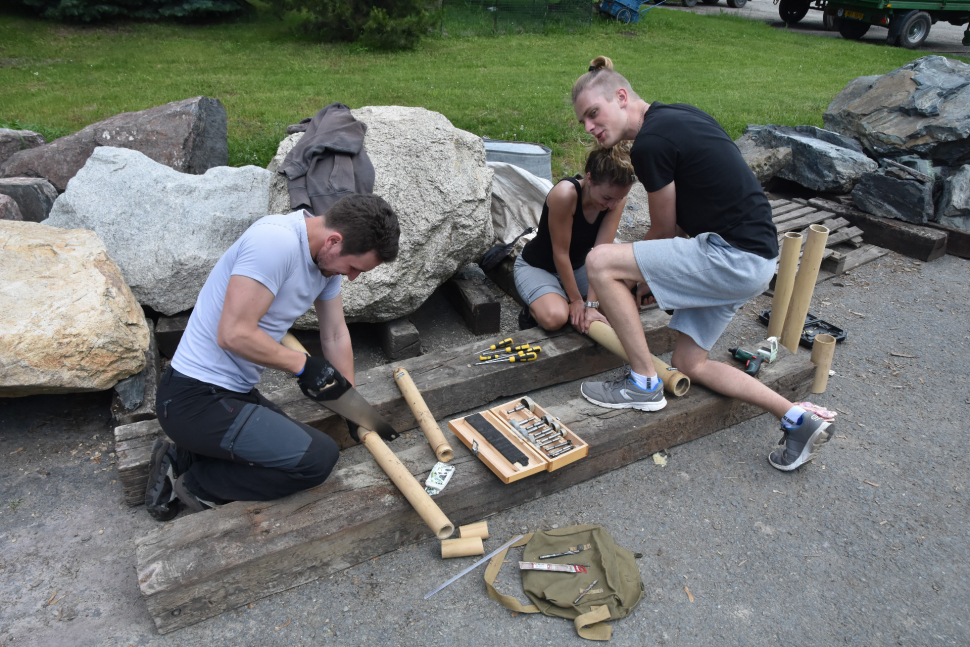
x=794, y=417
x=647, y=383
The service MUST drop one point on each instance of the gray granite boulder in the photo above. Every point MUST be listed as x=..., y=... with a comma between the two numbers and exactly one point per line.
x=9, y=209
x=189, y=136
x=894, y=194
x=164, y=229
x=34, y=195
x=765, y=163
x=820, y=160
x=436, y=179
x=953, y=206
x=14, y=141
x=921, y=108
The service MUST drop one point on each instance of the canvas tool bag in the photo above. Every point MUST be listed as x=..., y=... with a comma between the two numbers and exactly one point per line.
x=618, y=590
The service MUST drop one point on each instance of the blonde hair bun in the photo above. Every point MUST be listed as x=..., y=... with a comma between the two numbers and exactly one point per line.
x=600, y=63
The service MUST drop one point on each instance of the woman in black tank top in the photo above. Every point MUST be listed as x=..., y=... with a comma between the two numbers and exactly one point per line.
x=579, y=213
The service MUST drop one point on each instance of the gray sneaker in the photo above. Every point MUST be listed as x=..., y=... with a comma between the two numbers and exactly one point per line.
x=623, y=393
x=800, y=445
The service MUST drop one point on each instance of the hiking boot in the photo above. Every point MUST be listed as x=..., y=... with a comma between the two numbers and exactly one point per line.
x=800, y=444
x=623, y=393
x=191, y=502
x=160, y=492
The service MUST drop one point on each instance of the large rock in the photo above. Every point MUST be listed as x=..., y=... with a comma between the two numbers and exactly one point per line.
x=821, y=160
x=14, y=141
x=68, y=322
x=436, y=178
x=164, y=229
x=953, y=207
x=893, y=194
x=921, y=108
x=189, y=136
x=9, y=209
x=765, y=163
x=34, y=195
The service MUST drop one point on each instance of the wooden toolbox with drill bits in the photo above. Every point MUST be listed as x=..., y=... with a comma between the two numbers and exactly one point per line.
x=519, y=438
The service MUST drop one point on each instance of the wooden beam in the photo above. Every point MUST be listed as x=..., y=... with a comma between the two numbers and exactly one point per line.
x=448, y=380
x=957, y=240
x=915, y=241
x=476, y=303
x=203, y=565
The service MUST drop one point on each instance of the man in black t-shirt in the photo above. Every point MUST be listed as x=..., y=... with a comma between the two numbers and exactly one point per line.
x=711, y=247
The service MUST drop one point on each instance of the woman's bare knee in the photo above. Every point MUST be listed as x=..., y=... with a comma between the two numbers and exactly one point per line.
x=551, y=318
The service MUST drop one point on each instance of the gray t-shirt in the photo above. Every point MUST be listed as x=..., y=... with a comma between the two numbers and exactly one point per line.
x=275, y=252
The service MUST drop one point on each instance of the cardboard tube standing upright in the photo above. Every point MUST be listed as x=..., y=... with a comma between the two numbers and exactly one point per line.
x=674, y=381
x=822, y=351
x=801, y=296
x=426, y=421
x=395, y=470
x=787, y=267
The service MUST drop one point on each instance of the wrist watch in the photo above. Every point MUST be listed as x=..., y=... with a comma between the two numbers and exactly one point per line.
x=592, y=304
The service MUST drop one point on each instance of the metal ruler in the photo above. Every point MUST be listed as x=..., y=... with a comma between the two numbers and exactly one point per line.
x=475, y=565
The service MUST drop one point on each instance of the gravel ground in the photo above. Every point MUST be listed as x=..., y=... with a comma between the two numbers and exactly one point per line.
x=868, y=545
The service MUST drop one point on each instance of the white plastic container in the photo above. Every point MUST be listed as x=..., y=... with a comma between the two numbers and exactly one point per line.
x=534, y=158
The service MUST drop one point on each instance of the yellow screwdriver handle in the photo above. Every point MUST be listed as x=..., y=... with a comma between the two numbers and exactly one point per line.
x=527, y=358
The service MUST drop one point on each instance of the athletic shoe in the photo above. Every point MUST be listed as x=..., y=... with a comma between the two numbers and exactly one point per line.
x=526, y=319
x=623, y=393
x=159, y=492
x=191, y=502
x=800, y=443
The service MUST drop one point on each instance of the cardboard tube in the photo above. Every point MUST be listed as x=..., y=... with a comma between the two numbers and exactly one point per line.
x=428, y=425
x=462, y=547
x=791, y=247
x=801, y=297
x=822, y=351
x=395, y=470
x=675, y=382
x=479, y=529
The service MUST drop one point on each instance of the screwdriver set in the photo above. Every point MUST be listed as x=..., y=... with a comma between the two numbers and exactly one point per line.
x=519, y=438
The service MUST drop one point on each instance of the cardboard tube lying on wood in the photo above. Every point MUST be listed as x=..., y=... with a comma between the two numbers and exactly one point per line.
x=804, y=288
x=395, y=470
x=674, y=381
x=822, y=351
x=462, y=547
x=479, y=529
x=787, y=268
x=422, y=414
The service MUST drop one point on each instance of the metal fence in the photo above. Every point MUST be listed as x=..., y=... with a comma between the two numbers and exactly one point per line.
x=483, y=17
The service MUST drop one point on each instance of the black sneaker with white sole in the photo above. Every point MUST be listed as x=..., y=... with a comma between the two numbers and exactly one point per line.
x=800, y=444
x=191, y=502
x=160, y=497
x=623, y=393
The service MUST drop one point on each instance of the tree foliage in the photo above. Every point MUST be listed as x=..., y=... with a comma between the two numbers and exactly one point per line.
x=374, y=24
x=92, y=11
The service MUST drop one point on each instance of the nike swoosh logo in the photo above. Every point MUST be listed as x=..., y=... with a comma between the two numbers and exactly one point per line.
x=626, y=394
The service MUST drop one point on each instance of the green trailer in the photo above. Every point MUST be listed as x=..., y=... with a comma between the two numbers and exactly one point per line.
x=907, y=22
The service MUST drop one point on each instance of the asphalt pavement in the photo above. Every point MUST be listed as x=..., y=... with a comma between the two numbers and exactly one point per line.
x=868, y=545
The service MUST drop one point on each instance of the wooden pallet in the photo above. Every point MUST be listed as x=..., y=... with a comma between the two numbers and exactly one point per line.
x=203, y=565
x=845, y=248
x=448, y=380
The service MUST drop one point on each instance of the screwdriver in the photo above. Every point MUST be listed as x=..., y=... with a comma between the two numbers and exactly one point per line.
x=524, y=348
x=525, y=357
x=504, y=342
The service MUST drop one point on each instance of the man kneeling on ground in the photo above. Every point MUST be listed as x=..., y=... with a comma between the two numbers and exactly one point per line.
x=697, y=184
x=231, y=443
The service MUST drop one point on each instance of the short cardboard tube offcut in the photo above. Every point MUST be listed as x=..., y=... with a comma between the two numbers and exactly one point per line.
x=822, y=351
x=462, y=547
x=479, y=529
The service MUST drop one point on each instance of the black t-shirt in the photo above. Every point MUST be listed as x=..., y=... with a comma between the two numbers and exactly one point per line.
x=716, y=191
x=538, y=252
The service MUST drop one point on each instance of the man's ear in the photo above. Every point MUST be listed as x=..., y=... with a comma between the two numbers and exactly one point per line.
x=622, y=97
x=334, y=240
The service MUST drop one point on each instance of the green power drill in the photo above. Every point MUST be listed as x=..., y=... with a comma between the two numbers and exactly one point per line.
x=753, y=361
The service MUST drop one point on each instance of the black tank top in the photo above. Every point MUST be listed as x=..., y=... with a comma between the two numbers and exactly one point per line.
x=538, y=253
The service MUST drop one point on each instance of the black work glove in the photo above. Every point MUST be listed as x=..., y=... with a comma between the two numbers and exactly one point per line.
x=352, y=427
x=317, y=373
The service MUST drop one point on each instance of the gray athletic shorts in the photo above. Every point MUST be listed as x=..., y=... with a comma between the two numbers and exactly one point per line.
x=704, y=280
x=533, y=282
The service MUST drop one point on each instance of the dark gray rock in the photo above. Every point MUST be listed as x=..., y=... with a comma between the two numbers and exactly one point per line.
x=9, y=209
x=189, y=136
x=34, y=195
x=821, y=160
x=891, y=193
x=14, y=141
x=953, y=207
x=921, y=108
x=134, y=398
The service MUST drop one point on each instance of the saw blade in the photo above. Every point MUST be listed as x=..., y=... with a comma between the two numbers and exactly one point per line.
x=344, y=400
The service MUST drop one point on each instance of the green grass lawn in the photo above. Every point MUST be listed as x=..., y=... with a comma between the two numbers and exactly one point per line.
x=56, y=79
